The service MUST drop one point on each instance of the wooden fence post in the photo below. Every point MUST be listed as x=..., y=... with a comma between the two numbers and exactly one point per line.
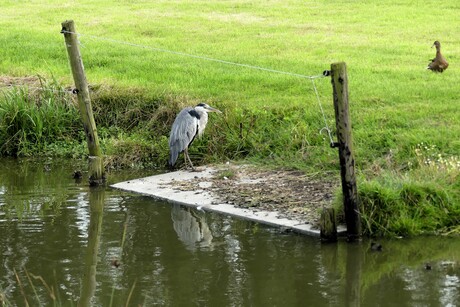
x=96, y=166
x=328, y=227
x=339, y=81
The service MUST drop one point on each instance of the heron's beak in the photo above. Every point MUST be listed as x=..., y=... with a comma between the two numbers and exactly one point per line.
x=211, y=109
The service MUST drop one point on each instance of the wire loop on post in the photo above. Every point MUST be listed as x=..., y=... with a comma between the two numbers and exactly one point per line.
x=324, y=116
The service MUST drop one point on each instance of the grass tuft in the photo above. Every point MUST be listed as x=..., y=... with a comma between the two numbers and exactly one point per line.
x=31, y=120
x=407, y=206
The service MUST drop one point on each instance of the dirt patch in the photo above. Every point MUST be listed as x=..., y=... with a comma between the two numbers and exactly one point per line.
x=30, y=81
x=293, y=194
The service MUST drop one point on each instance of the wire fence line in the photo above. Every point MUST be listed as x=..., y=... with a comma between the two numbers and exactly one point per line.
x=205, y=58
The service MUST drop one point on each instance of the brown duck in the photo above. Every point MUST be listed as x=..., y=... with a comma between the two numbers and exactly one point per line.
x=439, y=63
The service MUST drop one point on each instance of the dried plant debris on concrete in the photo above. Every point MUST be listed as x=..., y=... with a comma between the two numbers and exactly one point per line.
x=292, y=194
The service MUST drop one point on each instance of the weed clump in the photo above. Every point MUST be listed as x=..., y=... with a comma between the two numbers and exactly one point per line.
x=30, y=120
x=425, y=199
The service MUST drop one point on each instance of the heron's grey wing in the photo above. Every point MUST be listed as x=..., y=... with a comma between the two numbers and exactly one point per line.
x=183, y=132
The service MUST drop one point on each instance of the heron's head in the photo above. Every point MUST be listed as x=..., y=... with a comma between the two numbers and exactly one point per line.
x=206, y=108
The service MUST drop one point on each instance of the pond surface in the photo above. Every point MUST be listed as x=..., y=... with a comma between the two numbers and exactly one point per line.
x=62, y=243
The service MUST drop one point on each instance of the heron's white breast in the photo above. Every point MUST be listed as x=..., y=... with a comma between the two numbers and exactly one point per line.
x=202, y=122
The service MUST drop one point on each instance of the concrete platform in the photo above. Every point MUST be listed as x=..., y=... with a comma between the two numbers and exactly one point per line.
x=162, y=187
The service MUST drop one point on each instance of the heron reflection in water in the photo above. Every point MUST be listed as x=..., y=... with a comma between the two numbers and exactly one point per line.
x=191, y=227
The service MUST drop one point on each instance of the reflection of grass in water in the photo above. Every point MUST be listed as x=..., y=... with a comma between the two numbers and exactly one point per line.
x=21, y=208
x=50, y=290
x=373, y=266
x=53, y=291
x=117, y=262
x=397, y=254
x=3, y=300
x=130, y=294
x=34, y=188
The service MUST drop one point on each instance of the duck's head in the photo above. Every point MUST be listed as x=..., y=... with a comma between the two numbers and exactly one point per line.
x=436, y=44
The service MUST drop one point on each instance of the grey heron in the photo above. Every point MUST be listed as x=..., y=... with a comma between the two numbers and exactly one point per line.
x=189, y=123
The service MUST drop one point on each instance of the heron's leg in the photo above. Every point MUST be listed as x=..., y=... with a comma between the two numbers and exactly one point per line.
x=188, y=157
x=185, y=158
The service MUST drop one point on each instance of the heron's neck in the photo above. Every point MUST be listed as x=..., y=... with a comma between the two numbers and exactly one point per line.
x=202, y=122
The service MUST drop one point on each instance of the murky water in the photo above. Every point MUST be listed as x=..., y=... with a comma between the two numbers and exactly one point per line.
x=64, y=244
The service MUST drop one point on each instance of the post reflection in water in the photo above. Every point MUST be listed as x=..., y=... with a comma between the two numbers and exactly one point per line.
x=354, y=254
x=96, y=205
x=68, y=235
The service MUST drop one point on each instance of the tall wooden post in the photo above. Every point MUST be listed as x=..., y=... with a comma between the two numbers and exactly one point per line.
x=345, y=144
x=96, y=167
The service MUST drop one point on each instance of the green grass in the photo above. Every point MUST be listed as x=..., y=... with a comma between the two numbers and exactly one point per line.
x=396, y=104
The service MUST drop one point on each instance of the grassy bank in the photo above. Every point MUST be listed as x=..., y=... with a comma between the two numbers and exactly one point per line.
x=406, y=120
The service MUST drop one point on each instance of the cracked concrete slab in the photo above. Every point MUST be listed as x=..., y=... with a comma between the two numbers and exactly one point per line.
x=163, y=187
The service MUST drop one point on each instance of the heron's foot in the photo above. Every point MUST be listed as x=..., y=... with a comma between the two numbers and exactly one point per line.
x=190, y=168
x=197, y=169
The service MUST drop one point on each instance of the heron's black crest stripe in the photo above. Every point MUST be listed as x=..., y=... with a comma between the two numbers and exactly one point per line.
x=201, y=104
x=194, y=113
